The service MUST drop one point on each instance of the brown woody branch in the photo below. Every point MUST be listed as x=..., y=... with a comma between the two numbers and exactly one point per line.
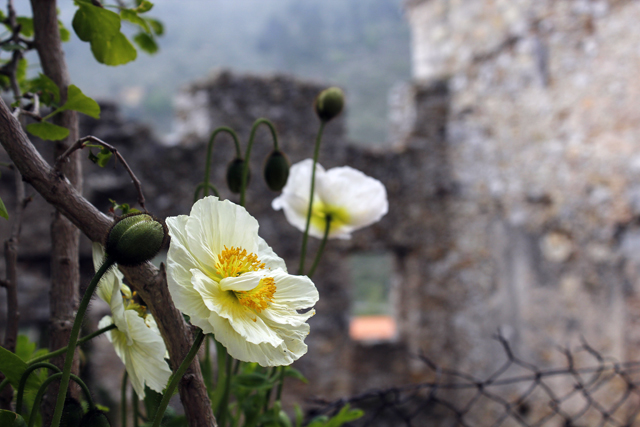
x=82, y=142
x=147, y=280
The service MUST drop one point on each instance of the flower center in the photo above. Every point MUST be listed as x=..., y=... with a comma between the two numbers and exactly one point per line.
x=339, y=216
x=233, y=262
x=259, y=297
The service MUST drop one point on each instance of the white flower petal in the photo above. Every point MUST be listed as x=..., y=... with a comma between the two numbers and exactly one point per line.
x=256, y=324
x=144, y=357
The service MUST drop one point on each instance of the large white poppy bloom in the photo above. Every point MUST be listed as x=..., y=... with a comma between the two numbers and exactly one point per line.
x=231, y=283
x=353, y=199
x=136, y=339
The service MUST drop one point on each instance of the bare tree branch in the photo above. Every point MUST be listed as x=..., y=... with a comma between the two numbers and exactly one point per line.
x=147, y=280
x=82, y=142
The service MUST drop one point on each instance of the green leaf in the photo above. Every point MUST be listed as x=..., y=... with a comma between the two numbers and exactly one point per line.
x=299, y=415
x=146, y=43
x=25, y=348
x=156, y=26
x=48, y=131
x=254, y=381
x=144, y=6
x=9, y=47
x=3, y=210
x=344, y=416
x=294, y=373
x=21, y=69
x=116, y=51
x=78, y=101
x=26, y=25
x=65, y=34
x=11, y=419
x=13, y=367
x=93, y=23
x=152, y=400
x=132, y=16
x=49, y=91
x=102, y=158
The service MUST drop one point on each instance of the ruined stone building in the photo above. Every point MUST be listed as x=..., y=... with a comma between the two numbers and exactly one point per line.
x=513, y=174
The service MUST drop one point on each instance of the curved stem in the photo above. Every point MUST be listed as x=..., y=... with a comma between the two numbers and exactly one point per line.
x=177, y=375
x=80, y=341
x=25, y=377
x=200, y=187
x=123, y=400
x=305, y=236
x=207, y=167
x=73, y=339
x=245, y=169
x=280, y=383
x=43, y=388
x=224, y=404
x=325, y=237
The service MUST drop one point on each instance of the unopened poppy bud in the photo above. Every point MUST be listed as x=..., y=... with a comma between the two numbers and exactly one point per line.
x=71, y=413
x=95, y=418
x=276, y=170
x=329, y=103
x=234, y=175
x=134, y=239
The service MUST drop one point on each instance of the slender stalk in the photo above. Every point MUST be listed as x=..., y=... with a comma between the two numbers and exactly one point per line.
x=175, y=378
x=123, y=400
x=200, y=187
x=136, y=410
x=73, y=339
x=280, y=383
x=325, y=237
x=224, y=404
x=64, y=349
x=43, y=388
x=305, y=236
x=245, y=169
x=25, y=377
x=221, y=359
x=207, y=167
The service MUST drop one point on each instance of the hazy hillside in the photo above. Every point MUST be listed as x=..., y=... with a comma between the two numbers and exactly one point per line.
x=362, y=45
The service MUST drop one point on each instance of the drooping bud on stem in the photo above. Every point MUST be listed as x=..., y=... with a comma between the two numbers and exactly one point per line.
x=134, y=239
x=234, y=175
x=95, y=418
x=329, y=103
x=276, y=170
x=71, y=413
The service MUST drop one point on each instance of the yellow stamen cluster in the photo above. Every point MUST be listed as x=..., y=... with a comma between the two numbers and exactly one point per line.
x=259, y=297
x=233, y=262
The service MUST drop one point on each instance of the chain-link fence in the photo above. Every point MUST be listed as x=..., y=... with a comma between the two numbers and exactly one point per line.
x=600, y=392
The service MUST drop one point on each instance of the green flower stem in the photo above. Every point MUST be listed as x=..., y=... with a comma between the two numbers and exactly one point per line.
x=245, y=169
x=280, y=383
x=221, y=416
x=73, y=339
x=199, y=187
x=136, y=410
x=305, y=236
x=123, y=400
x=177, y=375
x=64, y=349
x=325, y=237
x=25, y=377
x=206, y=371
x=221, y=358
x=43, y=388
x=207, y=167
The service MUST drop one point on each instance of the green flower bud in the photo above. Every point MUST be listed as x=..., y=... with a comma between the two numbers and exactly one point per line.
x=234, y=175
x=276, y=170
x=135, y=238
x=329, y=103
x=95, y=418
x=71, y=413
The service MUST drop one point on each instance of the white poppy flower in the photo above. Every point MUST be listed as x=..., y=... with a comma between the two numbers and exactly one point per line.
x=231, y=283
x=353, y=199
x=136, y=339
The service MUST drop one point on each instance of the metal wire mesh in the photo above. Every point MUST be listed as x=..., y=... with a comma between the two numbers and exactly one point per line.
x=600, y=393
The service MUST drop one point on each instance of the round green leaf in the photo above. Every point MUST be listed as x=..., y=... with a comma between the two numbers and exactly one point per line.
x=48, y=131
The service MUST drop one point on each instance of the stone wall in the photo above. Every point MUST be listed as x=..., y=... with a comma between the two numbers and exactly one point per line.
x=544, y=163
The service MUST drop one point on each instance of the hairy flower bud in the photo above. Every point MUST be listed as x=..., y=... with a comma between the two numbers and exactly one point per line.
x=71, y=413
x=135, y=238
x=234, y=175
x=276, y=170
x=329, y=103
x=95, y=418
